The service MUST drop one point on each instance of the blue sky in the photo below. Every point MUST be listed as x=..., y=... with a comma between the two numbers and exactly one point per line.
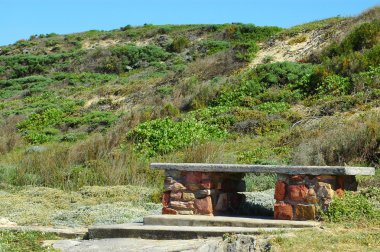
x=21, y=18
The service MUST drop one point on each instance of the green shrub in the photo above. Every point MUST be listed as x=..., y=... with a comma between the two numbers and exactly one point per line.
x=353, y=207
x=273, y=107
x=135, y=57
x=165, y=135
x=38, y=127
x=335, y=85
x=179, y=44
x=214, y=46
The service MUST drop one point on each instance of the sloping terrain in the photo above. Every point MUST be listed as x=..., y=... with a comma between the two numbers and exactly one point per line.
x=93, y=109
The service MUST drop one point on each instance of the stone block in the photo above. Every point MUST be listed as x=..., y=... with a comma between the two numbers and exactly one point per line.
x=180, y=205
x=311, y=196
x=175, y=195
x=324, y=191
x=188, y=196
x=203, y=206
x=167, y=210
x=297, y=192
x=329, y=179
x=202, y=193
x=305, y=212
x=280, y=191
x=176, y=186
x=222, y=203
x=165, y=199
x=283, y=211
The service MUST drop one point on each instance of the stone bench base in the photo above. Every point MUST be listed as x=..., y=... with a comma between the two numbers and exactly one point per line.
x=204, y=193
x=298, y=197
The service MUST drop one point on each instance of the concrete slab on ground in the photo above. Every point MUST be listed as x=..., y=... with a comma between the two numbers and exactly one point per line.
x=133, y=244
x=224, y=221
x=159, y=232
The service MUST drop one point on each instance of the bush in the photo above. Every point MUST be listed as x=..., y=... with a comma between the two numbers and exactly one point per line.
x=164, y=135
x=353, y=207
x=335, y=85
x=179, y=44
x=338, y=142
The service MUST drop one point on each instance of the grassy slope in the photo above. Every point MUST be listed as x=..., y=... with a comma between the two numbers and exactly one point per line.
x=84, y=109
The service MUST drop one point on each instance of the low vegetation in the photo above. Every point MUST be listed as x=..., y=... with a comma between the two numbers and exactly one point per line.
x=95, y=108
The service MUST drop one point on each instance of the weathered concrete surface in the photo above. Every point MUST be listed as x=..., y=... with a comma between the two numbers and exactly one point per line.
x=170, y=232
x=132, y=244
x=281, y=169
x=61, y=232
x=222, y=221
x=230, y=243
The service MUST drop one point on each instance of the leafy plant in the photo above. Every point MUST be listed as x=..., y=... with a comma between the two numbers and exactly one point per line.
x=165, y=135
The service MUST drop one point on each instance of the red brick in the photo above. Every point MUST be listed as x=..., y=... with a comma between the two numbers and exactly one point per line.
x=283, y=211
x=167, y=210
x=297, y=192
x=203, y=206
x=165, y=199
x=280, y=191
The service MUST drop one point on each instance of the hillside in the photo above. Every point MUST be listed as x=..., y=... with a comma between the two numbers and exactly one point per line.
x=95, y=108
x=82, y=115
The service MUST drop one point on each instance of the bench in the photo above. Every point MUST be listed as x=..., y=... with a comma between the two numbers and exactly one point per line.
x=216, y=189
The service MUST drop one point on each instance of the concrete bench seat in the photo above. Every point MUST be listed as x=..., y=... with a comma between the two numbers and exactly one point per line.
x=279, y=169
x=215, y=189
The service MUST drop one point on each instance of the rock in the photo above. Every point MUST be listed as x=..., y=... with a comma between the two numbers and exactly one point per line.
x=187, y=196
x=202, y=193
x=174, y=187
x=297, y=192
x=165, y=199
x=175, y=195
x=324, y=191
x=167, y=210
x=305, y=212
x=222, y=204
x=280, y=191
x=180, y=205
x=203, y=206
x=283, y=211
